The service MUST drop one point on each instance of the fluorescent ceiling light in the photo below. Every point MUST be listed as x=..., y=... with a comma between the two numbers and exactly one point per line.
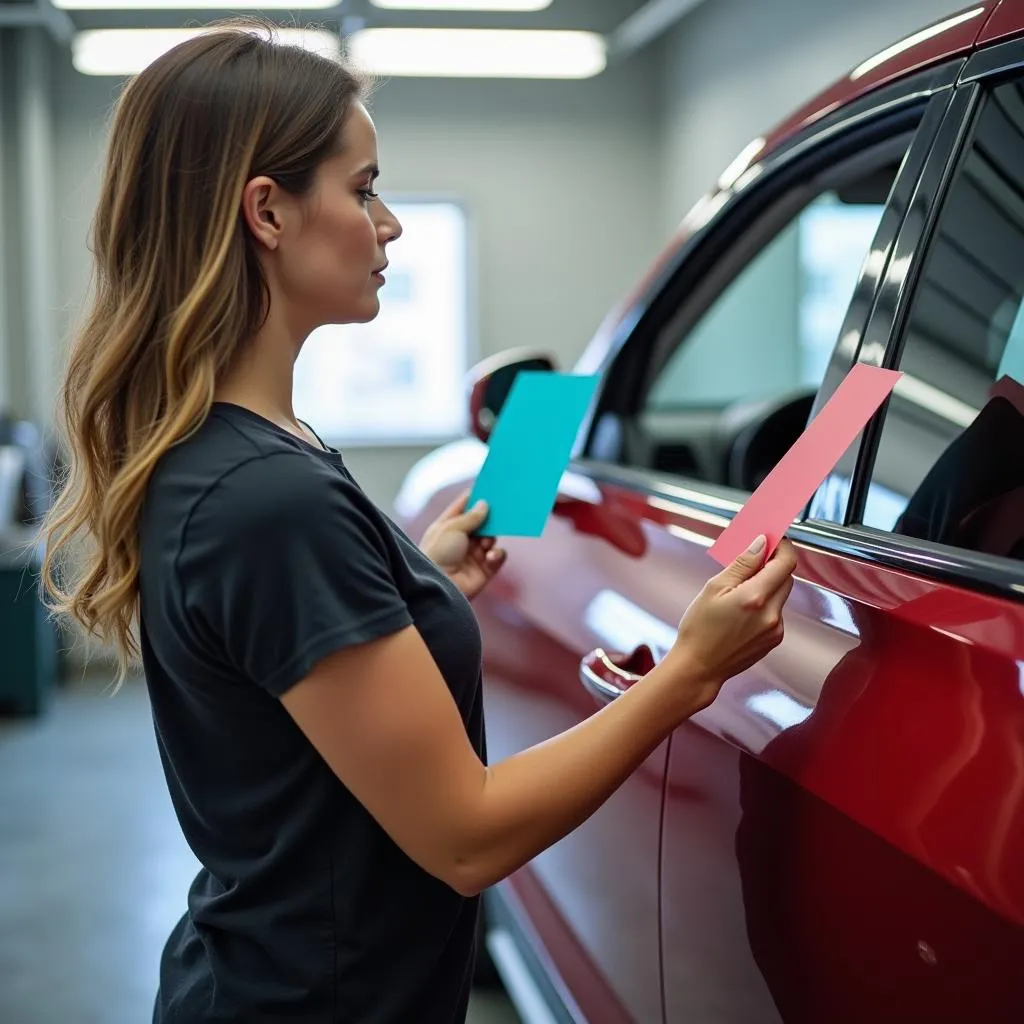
x=126, y=51
x=194, y=5
x=462, y=5
x=478, y=53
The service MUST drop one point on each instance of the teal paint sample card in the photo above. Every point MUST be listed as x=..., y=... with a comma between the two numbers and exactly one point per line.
x=529, y=450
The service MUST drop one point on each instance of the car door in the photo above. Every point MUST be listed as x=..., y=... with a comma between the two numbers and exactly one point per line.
x=841, y=827
x=713, y=391
x=625, y=552
x=920, y=860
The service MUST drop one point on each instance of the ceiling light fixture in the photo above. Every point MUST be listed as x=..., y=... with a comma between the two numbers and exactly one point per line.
x=478, y=53
x=126, y=51
x=462, y=5
x=194, y=5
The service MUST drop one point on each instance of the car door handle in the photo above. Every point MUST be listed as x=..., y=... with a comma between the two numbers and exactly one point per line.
x=607, y=676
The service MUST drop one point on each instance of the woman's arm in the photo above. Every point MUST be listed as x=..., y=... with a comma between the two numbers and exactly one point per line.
x=382, y=717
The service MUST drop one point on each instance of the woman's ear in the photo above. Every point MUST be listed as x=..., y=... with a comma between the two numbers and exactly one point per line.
x=261, y=209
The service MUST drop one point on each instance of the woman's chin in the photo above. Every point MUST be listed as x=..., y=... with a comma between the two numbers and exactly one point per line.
x=368, y=311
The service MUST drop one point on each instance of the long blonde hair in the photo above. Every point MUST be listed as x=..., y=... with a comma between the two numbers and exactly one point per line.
x=178, y=288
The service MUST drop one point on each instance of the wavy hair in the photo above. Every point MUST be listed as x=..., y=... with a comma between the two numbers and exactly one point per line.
x=177, y=288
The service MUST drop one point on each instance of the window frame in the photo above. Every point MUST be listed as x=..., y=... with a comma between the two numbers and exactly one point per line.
x=883, y=343
x=918, y=102
x=623, y=366
x=356, y=442
x=769, y=222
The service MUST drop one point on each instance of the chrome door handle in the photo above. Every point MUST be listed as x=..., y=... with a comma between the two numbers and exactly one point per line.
x=607, y=676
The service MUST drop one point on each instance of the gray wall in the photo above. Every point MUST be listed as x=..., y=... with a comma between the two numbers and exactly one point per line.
x=556, y=176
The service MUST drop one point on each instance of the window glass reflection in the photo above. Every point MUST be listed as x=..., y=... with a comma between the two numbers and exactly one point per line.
x=950, y=463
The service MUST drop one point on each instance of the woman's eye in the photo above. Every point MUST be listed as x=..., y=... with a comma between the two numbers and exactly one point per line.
x=368, y=194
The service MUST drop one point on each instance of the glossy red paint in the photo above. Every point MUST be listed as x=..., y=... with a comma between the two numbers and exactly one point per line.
x=870, y=849
x=602, y=880
x=1006, y=21
x=536, y=914
x=845, y=866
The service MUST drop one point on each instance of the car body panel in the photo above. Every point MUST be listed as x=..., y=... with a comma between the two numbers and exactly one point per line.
x=1006, y=20
x=845, y=865
x=602, y=879
x=601, y=883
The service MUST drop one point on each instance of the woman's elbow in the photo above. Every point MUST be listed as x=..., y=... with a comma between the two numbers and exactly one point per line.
x=469, y=877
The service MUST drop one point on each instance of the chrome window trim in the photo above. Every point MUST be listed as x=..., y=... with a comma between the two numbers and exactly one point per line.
x=990, y=574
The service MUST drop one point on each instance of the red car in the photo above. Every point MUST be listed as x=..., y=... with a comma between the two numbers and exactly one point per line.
x=839, y=838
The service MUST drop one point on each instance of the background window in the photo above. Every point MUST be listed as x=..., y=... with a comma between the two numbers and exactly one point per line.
x=401, y=378
x=950, y=461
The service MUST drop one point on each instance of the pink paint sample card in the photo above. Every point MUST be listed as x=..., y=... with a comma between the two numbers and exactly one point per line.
x=788, y=487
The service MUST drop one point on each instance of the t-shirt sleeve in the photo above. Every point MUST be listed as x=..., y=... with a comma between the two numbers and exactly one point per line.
x=281, y=564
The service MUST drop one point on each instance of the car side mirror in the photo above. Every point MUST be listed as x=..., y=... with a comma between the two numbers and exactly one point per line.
x=491, y=381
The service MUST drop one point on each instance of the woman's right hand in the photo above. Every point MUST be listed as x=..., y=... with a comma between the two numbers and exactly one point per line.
x=734, y=622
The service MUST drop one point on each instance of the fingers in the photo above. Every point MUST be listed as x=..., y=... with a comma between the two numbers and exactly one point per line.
x=487, y=553
x=457, y=507
x=744, y=566
x=761, y=587
x=472, y=520
x=777, y=602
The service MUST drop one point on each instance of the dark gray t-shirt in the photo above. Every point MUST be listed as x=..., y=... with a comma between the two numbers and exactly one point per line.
x=261, y=555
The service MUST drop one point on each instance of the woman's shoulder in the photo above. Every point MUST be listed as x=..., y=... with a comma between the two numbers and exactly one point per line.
x=246, y=478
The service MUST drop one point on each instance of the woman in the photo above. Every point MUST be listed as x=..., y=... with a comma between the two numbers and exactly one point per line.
x=314, y=675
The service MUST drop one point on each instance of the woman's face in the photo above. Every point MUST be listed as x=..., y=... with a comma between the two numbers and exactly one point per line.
x=331, y=249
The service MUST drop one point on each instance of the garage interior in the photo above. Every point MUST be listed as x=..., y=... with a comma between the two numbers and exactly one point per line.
x=567, y=189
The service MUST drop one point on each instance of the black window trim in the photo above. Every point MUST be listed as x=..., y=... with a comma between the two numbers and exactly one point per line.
x=882, y=340
x=882, y=345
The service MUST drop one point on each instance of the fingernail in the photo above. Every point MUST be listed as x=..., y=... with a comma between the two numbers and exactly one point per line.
x=480, y=506
x=758, y=546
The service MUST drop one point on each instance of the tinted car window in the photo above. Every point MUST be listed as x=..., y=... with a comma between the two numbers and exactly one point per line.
x=738, y=384
x=950, y=462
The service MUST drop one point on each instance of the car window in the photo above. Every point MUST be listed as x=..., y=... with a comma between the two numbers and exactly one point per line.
x=739, y=370
x=950, y=461
x=774, y=327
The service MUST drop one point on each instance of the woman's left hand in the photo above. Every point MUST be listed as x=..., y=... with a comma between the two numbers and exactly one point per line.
x=470, y=562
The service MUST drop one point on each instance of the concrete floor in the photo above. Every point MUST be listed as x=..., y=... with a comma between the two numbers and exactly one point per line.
x=93, y=868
